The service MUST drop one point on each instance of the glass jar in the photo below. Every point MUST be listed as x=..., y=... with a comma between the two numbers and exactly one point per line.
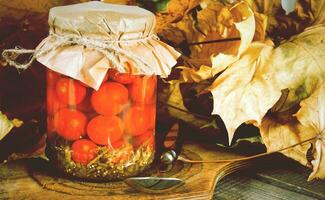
x=104, y=134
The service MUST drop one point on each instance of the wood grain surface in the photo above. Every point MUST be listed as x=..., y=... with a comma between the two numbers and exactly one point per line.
x=34, y=179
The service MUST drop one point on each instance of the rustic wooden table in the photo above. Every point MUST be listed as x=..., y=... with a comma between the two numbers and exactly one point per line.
x=284, y=179
x=274, y=177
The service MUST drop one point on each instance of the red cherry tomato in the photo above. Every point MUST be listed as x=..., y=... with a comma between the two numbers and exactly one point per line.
x=124, y=78
x=83, y=151
x=105, y=129
x=110, y=99
x=146, y=139
x=142, y=90
x=70, y=124
x=138, y=119
x=70, y=91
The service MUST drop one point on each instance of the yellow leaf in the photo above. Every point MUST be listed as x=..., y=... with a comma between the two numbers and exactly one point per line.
x=300, y=61
x=193, y=75
x=312, y=116
x=245, y=24
x=246, y=90
x=6, y=125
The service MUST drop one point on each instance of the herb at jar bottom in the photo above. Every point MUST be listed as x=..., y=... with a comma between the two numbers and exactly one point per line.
x=109, y=164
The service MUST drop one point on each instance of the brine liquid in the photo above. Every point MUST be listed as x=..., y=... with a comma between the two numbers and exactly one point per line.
x=106, y=134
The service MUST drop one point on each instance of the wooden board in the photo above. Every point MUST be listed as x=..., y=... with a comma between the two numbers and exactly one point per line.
x=274, y=177
x=31, y=179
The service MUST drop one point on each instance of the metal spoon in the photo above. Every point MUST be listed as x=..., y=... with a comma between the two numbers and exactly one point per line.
x=169, y=143
x=153, y=184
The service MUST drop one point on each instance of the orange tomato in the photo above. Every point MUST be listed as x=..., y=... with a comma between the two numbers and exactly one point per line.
x=146, y=139
x=142, y=90
x=83, y=151
x=70, y=124
x=70, y=91
x=124, y=78
x=110, y=99
x=105, y=129
x=138, y=119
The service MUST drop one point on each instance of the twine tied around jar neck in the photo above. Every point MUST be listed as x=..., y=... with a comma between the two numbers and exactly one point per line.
x=109, y=48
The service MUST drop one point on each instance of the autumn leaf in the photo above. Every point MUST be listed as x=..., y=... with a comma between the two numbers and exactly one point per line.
x=192, y=75
x=245, y=24
x=276, y=135
x=300, y=63
x=216, y=22
x=252, y=85
x=281, y=26
x=312, y=116
x=6, y=125
x=246, y=90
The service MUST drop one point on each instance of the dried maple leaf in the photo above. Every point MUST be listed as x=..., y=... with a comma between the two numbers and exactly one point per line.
x=312, y=116
x=252, y=85
x=276, y=135
x=282, y=26
x=191, y=75
x=217, y=22
x=300, y=62
x=246, y=90
x=244, y=22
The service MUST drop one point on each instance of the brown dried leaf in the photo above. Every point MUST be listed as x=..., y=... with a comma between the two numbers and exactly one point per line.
x=277, y=136
x=215, y=22
x=282, y=26
x=312, y=116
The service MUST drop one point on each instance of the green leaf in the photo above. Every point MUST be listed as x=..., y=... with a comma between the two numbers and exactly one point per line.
x=161, y=5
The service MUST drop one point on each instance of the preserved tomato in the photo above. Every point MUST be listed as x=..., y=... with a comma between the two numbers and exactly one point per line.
x=124, y=78
x=112, y=127
x=110, y=99
x=70, y=123
x=138, y=119
x=142, y=90
x=70, y=91
x=105, y=130
x=83, y=151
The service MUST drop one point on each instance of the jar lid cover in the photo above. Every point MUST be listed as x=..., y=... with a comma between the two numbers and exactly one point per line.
x=102, y=20
x=87, y=39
